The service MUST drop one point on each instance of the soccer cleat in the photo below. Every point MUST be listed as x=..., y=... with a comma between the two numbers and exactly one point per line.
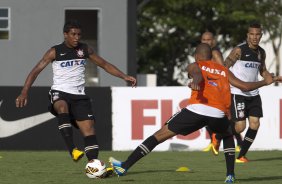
x=118, y=169
x=109, y=172
x=215, y=145
x=242, y=159
x=208, y=148
x=237, y=148
x=230, y=179
x=76, y=154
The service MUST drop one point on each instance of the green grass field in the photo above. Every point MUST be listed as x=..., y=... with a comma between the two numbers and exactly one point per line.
x=22, y=167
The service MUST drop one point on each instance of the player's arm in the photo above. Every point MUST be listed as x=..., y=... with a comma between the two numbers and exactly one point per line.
x=248, y=86
x=265, y=73
x=48, y=57
x=195, y=73
x=231, y=59
x=110, y=68
x=217, y=57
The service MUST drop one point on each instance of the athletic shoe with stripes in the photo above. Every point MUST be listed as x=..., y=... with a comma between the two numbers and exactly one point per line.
x=230, y=179
x=116, y=164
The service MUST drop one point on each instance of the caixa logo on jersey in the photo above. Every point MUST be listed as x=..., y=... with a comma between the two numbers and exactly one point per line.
x=71, y=63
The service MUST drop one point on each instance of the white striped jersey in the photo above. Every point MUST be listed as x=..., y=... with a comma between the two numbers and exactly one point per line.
x=69, y=67
x=247, y=68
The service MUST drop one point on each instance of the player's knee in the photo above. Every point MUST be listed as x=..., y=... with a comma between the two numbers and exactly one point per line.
x=254, y=125
x=61, y=107
x=240, y=128
x=86, y=127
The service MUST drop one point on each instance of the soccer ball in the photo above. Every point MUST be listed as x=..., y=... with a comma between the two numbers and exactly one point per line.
x=95, y=169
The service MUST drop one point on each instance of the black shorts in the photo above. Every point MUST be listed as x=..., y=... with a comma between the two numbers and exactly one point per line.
x=80, y=107
x=244, y=106
x=186, y=122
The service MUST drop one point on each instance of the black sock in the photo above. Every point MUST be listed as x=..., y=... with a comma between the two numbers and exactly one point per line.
x=239, y=139
x=142, y=150
x=66, y=131
x=229, y=153
x=248, y=140
x=91, y=147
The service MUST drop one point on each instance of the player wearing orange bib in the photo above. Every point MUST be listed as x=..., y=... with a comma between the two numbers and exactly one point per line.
x=216, y=83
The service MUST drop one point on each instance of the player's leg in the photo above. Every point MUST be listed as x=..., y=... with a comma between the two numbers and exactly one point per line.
x=184, y=122
x=229, y=153
x=142, y=150
x=254, y=106
x=82, y=112
x=59, y=108
x=237, y=136
x=223, y=128
x=91, y=147
x=65, y=127
x=250, y=136
x=239, y=128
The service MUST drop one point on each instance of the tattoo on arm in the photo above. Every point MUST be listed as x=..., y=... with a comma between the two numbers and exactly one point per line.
x=263, y=66
x=229, y=61
x=233, y=57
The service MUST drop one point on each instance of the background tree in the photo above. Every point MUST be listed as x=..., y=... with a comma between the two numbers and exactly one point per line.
x=168, y=31
x=271, y=17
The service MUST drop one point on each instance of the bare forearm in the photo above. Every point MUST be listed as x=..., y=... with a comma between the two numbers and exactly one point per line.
x=246, y=86
x=253, y=85
x=113, y=70
x=28, y=83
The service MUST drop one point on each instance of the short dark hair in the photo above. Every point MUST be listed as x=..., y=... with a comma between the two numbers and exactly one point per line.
x=204, y=51
x=70, y=25
x=255, y=25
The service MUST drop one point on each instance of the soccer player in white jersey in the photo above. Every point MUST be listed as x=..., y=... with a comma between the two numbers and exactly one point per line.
x=69, y=103
x=246, y=61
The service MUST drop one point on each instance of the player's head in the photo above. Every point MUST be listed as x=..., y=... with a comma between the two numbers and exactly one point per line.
x=208, y=38
x=72, y=33
x=203, y=52
x=254, y=34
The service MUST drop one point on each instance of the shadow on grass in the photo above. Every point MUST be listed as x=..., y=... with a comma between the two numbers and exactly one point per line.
x=154, y=171
x=266, y=159
x=264, y=178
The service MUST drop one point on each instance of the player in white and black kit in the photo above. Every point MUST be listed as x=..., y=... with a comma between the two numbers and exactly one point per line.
x=69, y=103
x=246, y=61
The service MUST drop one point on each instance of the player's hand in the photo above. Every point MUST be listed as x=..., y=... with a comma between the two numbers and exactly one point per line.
x=268, y=79
x=194, y=86
x=197, y=78
x=277, y=78
x=132, y=80
x=21, y=101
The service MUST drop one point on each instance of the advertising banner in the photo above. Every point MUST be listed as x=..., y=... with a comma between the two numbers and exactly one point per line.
x=139, y=112
x=34, y=128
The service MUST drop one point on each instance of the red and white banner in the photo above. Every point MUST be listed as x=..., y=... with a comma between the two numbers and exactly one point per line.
x=139, y=112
